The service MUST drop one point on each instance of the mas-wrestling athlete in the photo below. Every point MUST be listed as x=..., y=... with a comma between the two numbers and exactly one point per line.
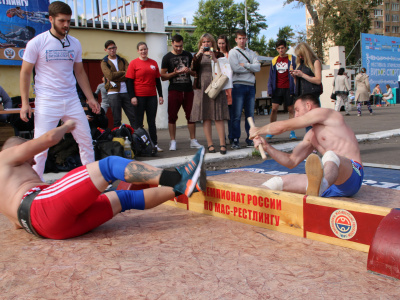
x=75, y=204
x=342, y=172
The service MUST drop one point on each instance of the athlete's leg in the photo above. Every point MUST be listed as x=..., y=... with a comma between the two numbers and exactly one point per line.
x=47, y=115
x=81, y=133
x=294, y=183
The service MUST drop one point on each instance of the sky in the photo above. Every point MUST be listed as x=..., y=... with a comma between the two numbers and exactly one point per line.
x=276, y=14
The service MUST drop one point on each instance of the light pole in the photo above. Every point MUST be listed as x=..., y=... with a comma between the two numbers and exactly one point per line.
x=245, y=21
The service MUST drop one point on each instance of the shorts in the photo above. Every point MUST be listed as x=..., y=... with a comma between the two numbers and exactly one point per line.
x=282, y=96
x=176, y=99
x=70, y=207
x=350, y=187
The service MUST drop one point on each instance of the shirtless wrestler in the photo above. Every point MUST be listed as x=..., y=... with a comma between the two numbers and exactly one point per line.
x=342, y=172
x=75, y=204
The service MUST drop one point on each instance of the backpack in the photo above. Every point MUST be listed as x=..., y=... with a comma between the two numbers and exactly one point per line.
x=105, y=148
x=142, y=145
x=123, y=131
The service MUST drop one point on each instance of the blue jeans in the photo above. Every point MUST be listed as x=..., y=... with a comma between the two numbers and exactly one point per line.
x=243, y=96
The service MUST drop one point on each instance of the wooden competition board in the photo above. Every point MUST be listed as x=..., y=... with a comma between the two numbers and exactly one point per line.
x=347, y=222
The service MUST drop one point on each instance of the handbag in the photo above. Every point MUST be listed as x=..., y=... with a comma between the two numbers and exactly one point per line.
x=216, y=84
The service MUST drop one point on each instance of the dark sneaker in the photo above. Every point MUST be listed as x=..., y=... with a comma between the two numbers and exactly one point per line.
x=192, y=174
x=249, y=144
x=235, y=146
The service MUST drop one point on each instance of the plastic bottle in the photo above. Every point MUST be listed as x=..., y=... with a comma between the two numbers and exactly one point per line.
x=1, y=103
x=127, y=148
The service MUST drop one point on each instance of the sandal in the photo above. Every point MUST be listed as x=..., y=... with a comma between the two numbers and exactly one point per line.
x=222, y=151
x=211, y=150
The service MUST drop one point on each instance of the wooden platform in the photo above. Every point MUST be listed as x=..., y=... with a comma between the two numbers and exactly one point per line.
x=170, y=253
x=348, y=222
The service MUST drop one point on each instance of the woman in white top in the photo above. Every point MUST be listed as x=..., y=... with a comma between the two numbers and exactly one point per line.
x=341, y=87
x=388, y=95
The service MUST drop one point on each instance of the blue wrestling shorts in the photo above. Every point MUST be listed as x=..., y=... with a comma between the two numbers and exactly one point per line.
x=350, y=187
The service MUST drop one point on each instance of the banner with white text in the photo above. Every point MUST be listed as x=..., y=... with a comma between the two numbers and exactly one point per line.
x=20, y=21
x=381, y=57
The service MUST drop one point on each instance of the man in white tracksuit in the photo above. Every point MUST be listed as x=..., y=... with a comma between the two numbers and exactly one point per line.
x=56, y=58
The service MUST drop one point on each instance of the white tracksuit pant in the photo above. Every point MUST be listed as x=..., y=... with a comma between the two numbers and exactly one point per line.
x=48, y=113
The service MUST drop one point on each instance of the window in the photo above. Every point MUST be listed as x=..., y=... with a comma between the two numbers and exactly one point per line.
x=378, y=12
x=395, y=29
x=387, y=18
x=378, y=24
x=387, y=6
x=395, y=6
x=387, y=28
x=395, y=18
x=310, y=21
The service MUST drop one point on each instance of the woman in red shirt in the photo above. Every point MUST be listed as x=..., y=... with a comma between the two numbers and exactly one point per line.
x=143, y=83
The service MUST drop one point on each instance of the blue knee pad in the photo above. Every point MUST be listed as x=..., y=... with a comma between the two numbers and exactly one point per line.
x=113, y=168
x=131, y=199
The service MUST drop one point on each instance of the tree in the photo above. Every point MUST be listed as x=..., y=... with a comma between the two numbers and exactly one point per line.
x=258, y=45
x=255, y=21
x=226, y=17
x=271, y=48
x=339, y=22
x=286, y=33
x=216, y=17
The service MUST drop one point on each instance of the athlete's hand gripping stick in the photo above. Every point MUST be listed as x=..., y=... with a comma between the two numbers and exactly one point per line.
x=260, y=147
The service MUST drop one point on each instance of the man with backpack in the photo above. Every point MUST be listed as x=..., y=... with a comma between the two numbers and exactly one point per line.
x=114, y=68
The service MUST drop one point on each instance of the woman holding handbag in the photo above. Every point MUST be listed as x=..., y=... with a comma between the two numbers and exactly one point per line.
x=341, y=89
x=204, y=108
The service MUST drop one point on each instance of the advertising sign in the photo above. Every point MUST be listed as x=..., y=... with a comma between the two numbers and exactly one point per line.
x=20, y=21
x=381, y=57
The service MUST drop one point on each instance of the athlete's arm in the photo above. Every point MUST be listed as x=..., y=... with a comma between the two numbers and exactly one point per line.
x=21, y=153
x=289, y=160
x=315, y=116
x=83, y=82
x=24, y=84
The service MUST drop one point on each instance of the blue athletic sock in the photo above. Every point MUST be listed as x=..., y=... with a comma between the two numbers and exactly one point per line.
x=131, y=199
x=113, y=168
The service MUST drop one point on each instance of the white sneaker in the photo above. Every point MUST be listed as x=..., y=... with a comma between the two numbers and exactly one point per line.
x=195, y=144
x=159, y=149
x=172, y=145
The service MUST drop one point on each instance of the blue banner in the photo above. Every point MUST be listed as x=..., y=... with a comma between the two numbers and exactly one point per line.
x=381, y=57
x=20, y=21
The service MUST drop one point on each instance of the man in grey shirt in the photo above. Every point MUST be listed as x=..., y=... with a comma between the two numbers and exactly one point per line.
x=244, y=64
x=105, y=104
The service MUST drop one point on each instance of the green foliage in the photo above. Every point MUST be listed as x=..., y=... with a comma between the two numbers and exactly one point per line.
x=258, y=45
x=340, y=22
x=271, y=49
x=189, y=41
x=226, y=17
x=286, y=33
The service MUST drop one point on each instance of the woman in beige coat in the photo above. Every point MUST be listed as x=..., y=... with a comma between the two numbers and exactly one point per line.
x=341, y=87
x=362, y=91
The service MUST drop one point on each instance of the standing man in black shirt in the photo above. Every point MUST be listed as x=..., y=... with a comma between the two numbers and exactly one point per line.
x=175, y=67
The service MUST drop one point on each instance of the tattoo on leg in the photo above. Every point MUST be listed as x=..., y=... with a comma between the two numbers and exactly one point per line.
x=138, y=172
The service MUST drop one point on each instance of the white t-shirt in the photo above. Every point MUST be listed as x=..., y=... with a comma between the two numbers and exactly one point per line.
x=122, y=87
x=54, y=65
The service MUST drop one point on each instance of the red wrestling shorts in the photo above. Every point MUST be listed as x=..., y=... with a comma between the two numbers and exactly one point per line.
x=70, y=207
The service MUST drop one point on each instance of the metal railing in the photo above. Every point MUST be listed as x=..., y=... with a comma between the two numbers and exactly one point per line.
x=106, y=14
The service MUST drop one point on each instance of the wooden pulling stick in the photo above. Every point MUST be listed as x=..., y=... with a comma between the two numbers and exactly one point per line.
x=260, y=147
